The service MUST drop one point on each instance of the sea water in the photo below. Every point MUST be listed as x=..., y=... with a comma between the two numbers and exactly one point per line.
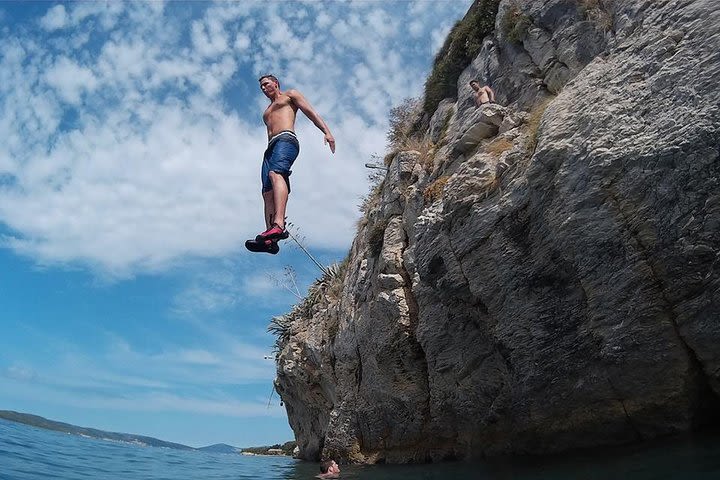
x=32, y=453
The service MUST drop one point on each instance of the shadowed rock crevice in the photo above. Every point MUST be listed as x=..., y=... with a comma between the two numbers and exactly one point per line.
x=638, y=433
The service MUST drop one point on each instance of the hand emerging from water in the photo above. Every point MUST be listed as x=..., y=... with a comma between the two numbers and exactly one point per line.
x=330, y=140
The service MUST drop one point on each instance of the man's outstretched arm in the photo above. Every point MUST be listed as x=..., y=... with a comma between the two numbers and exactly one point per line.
x=309, y=112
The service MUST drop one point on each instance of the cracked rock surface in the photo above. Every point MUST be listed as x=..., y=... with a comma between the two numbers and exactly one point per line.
x=573, y=301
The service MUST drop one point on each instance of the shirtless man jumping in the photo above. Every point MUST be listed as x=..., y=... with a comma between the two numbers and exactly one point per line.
x=282, y=150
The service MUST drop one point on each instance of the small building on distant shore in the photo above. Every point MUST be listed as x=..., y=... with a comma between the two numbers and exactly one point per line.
x=275, y=451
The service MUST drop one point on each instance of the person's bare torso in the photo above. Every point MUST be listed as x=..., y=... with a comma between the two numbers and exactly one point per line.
x=280, y=115
x=482, y=96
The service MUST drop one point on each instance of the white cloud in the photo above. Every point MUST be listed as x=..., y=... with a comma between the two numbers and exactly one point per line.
x=223, y=288
x=209, y=293
x=59, y=17
x=55, y=18
x=323, y=20
x=84, y=10
x=194, y=357
x=261, y=285
x=209, y=37
x=163, y=402
x=347, y=36
x=121, y=196
x=216, y=361
x=205, y=300
x=20, y=372
x=380, y=23
x=203, y=403
x=242, y=42
x=416, y=28
x=122, y=61
x=70, y=80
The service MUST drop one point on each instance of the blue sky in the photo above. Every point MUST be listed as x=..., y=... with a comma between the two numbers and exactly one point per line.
x=129, y=181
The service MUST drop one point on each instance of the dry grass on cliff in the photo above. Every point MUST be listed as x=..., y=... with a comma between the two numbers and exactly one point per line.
x=434, y=191
x=401, y=120
x=425, y=148
x=400, y=135
x=333, y=281
x=533, y=122
x=280, y=327
x=498, y=146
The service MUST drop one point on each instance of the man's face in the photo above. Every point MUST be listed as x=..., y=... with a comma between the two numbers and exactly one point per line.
x=268, y=87
x=475, y=86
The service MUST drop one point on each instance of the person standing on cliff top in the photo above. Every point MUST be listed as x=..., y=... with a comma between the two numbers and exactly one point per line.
x=483, y=93
x=283, y=148
x=329, y=469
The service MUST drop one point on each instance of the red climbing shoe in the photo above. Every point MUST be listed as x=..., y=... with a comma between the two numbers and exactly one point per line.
x=275, y=232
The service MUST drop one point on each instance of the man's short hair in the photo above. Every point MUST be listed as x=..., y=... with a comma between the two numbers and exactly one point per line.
x=271, y=77
x=325, y=466
x=475, y=80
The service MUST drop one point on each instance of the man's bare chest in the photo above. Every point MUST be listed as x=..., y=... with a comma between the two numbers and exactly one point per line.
x=279, y=108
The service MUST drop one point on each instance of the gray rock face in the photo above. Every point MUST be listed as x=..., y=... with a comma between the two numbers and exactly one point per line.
x=476, y=125
x=441, y=120
x=561, y=38
x=555, y=286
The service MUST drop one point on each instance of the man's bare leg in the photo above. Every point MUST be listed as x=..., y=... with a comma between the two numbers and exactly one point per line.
x=269, y=208
x=279, y=198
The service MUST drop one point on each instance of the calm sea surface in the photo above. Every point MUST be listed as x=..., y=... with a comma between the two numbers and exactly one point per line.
x=31, y=453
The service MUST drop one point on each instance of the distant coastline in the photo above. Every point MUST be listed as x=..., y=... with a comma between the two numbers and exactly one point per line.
x=287, y=449
x=141, y=440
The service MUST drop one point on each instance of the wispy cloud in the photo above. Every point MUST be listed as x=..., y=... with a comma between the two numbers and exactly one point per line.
x=195, y=379
x=196, y=403
x=55, y=18
x=210, y=292
x=19, y=372
x=220, y=289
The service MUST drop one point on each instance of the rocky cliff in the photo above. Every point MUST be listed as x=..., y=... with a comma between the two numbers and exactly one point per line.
x=537, y=276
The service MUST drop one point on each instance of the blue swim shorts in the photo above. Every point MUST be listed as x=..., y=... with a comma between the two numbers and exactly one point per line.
x=281, y=153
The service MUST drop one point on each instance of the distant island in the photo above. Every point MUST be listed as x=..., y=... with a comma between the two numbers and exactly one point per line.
x=220, y=448
x=41, y=422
